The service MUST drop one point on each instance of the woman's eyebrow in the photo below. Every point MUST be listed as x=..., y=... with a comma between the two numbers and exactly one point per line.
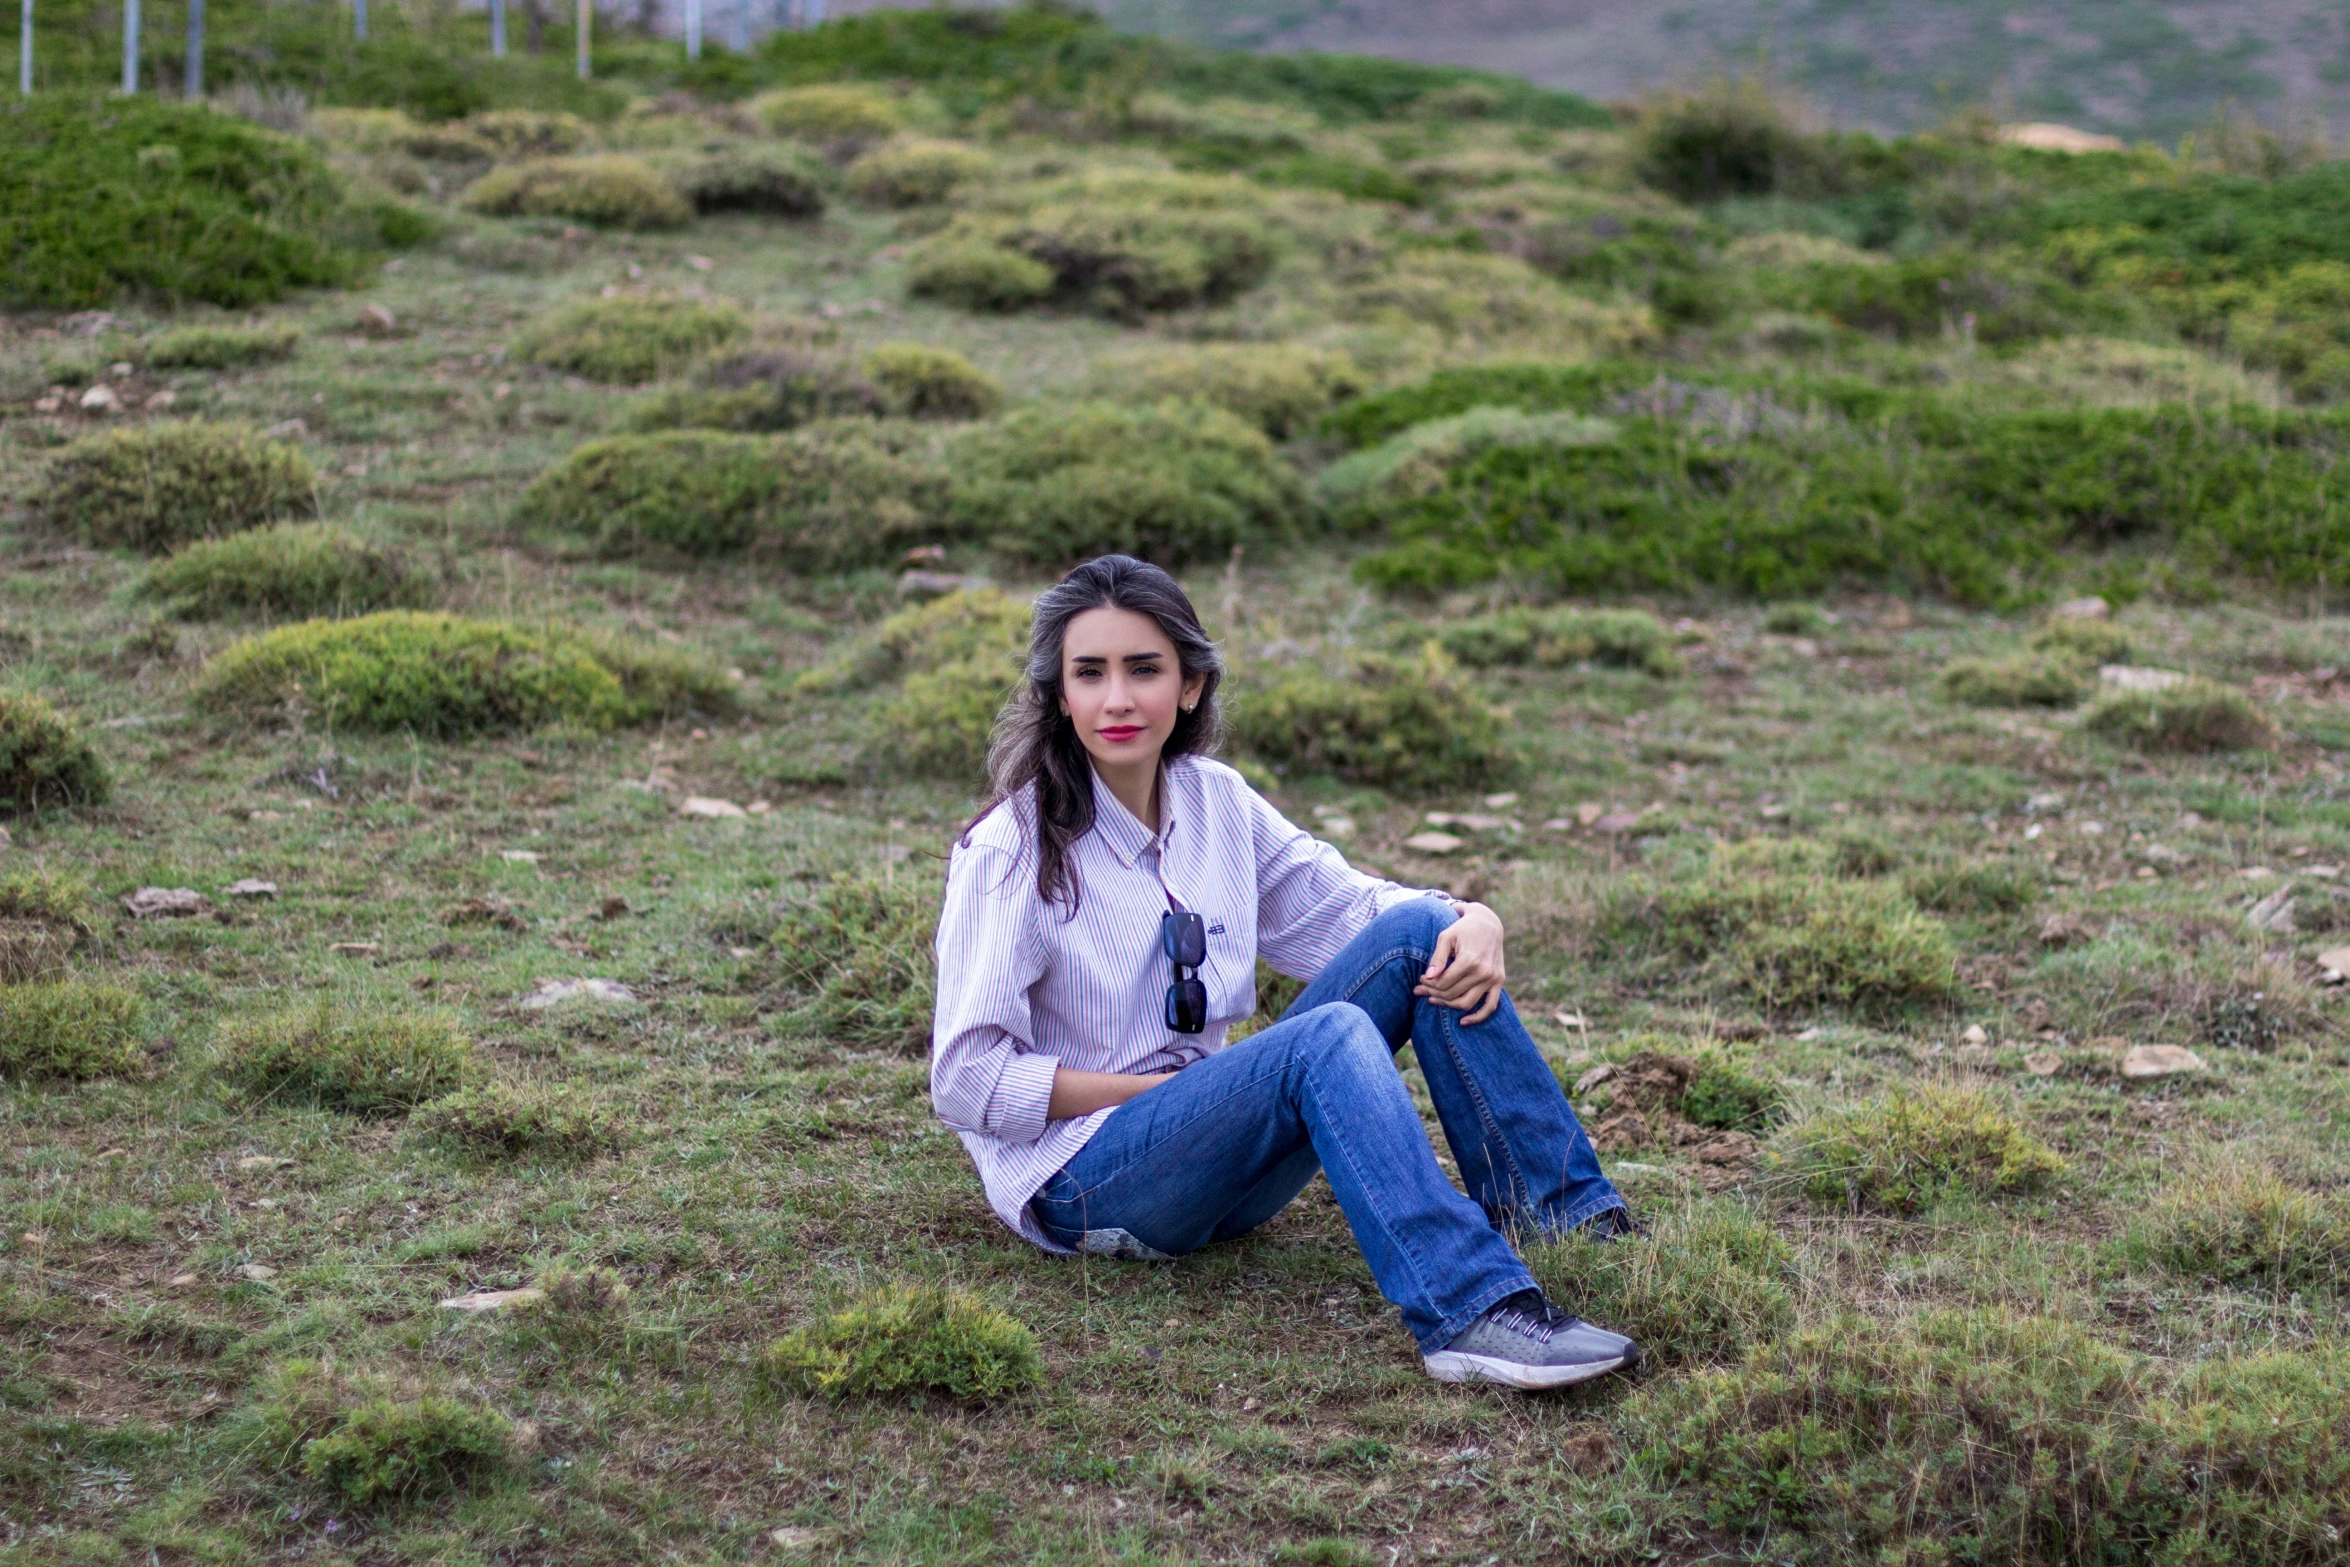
x=1123, y=658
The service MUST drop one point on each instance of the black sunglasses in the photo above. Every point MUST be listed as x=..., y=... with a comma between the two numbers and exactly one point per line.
x=1184, y=938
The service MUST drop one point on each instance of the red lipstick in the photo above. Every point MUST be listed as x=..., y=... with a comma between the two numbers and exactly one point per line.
x=1119, y=734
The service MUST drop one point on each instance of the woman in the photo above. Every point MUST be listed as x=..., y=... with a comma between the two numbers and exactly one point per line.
x=1103, y=919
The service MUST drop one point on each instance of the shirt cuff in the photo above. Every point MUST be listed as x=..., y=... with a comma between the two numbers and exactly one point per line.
x=1022, y=1102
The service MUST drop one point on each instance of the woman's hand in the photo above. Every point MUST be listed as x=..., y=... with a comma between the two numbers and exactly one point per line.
x=1466, y=972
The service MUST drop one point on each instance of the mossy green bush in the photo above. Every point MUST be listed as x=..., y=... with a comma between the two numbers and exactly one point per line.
x=1975, y=887
x=830, y=111
x=1728, y=1095
x=149, y=487
x=957, y=659
x=965, y=624
x=291, y=569
x=857, y=955
x=1175, y=483
x=103, y=198
x=1625, y=638
x=367, y=1061
x=923, y=382
x=44, y=916
x=609, y=190
x=499, y=1122
x=827, y=497
x=45, y=762
x=224, y=347
x=977, y=274
x=2029, y=680
x=1411, y=724
x=915, y=170
x=1990, y=1435
x=630, y=339
x=908, y=1339
x=763, y=391
x=938, y=720
x=1910, y=1147
x=1281, y=388
x=1710, y=1280
x=68, y=1029
x=657, y=680
x=1362, y=486
x=2194, y=717
x=2231, y=1218
x=528, y=133
x=2091, y=642
x=775, y=182
x=370, y=1440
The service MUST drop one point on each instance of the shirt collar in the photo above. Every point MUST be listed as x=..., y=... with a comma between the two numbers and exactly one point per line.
x=1127, y=837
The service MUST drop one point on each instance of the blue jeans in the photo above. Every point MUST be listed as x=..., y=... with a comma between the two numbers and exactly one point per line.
x=1225, y=1144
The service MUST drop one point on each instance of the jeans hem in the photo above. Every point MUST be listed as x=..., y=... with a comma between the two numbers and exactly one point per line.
x=1455, y=1325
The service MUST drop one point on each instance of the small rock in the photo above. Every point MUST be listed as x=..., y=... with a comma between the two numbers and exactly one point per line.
x=355, y=949
x=1974, y=1035
x=1433, y=843
x=2059, y=931
x=48, y=405
x=1593, y=1078
x=1480, y=823
x=554, y=992
x=700, y=263
x=930, y=584
x=2081, y=609
x=2145, y=1061
x=2336, y=958
x=288, y=430
x=1728, y=1148
x=1617, y=821
x=258, y=1272
x=2274, y=913
x=1588, y=812
x=493, y=1300
x=922, y=556
x=2126, y=677
x=251, y=887
x=760, y=807
x=519, y=856
x=703, y=805
x=99, y=399
x=1500, y=802
x=1569, y=1020
x=150, y=903
x=163, y=399
x=181, y=1281
x=2043, y=1063
x=614, y=907
x=792, y=1538
x=376, y=321
x=255, y=1162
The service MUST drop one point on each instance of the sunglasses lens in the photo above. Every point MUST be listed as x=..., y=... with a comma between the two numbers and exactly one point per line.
x=1187, y=1006
x=1184, y=938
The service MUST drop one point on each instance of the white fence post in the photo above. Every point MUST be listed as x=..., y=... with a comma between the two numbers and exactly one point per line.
x=195, y=50
x=24, y=51
x=130, y=47
x=498, y=28
x=586, y=20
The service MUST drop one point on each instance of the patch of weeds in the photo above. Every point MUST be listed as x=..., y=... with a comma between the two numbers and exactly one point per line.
x=2229, y=1217
x=1973, y=887
x=1725, y=1095
x=182, y=1332
x=1412, y=723
x=68, y=1029
x=45, y=761
x=761, y=392
x=859, y=951
x=1623, y=638
x=830, y=111
x=408, y=1449
x=498, y=1122
x=2033, y=680
x=151, y=486
x=908, y=1339
x=1709, y=1280
x=1795, y=618
x=922, y=382
x=1913, y=1146
x=630, y=340
x=224, y=347
x=915, y=171
x=1281, y=388
x=2192, y=718
x=607, y=190
x=366, y=1062
x=2088, y=642
x=1115, y=253
x=291, y=569
x=44, y=916
x=775, y=182
x=1327, y=1552
x=976, y=275
x=939, y=720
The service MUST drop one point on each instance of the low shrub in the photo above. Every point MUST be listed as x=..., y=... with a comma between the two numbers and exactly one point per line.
x=1408, y=724
x=2032, y=680
x=908, y=1339
x=44, y=916
x=45, y=762
x=2192, y=718
x=969, y=623
x=1796, y=619
x=2090, y=642
x=1973, y=887
x=1495, y=301
x=149, y=487
x=1362, y=486
x=498, y=1122
x=609, y=191
x=1725, y=1095
x=370, y=1061
x=830, y=111
x=1914, y=1146
x=224, y=347
x=977, y=274
x=291, y=569
x=630, y=339
x=409, y=1449
x=763, y=391
x=1709, y=1281
x=914, y=171
x=858, y=953
x=922, y=382
x=829, y=497
x=68, y=1029
x=774, y=182
x=1281, y=388
x=1626, y=638
x=2231, y=1218
x=938, y=721
x=2027, y=1439
x=1175, y=483
x=656, y=680
x=1730, y=137
x=528, y=133
x=1999, y=298
x=1175, y=243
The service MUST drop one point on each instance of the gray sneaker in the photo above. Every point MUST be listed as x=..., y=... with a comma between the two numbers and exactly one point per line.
x=1528, y=1342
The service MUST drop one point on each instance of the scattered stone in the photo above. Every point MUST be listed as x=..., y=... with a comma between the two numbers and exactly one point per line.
x=163, y=399
x=2065, y=930
x=251, y=887
x=1588, y=812
x=181, y=1281
x=1728, y=1148
x=1500, y=802
x=114, y=1153
x=355, y=949
x=2081, y=609
x=2127, y=677
x=794, y=1538
x=554, y=992
x=1975, y=1035
x=1593, y=1078
x=2256, y=873
x=289, y=430
x=99, y=399
x=168, y=903
x=493, y=1300
x=486, y=911
x=2335, y=961
x=254, y=1163
x=700, y=263
x=258, y=1272
x=520, y=856
x=2043, y=1063
x=2145, y=1061
x=2274, y=913
x=1617, y=821
x=1569, y=1020
x=1434, y=843
x=931, y=584
x=703, y=805
x=376, y=321
x=760, y=807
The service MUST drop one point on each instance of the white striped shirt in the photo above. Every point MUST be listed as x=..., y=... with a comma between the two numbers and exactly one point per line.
x=1023, y=990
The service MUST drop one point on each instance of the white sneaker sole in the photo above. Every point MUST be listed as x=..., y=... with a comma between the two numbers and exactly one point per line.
x=1448, y=1365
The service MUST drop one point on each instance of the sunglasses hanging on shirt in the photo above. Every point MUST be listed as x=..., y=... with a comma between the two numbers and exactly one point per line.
x=1183, y=936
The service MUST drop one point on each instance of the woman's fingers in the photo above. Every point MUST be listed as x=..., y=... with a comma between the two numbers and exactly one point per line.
x=1441, y=958
x=1486, y=1007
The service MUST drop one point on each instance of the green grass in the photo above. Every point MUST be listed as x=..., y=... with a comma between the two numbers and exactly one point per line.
x=224, y=347
x=372, y=1062
x=45, y=760
x=287, y=571
x=68, y=1029
x=630, y=339
x=1913, y=1147
x=151, y=487
x=908, y=1339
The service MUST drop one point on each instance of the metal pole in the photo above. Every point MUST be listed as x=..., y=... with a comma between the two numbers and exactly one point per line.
x=130, y=47
x=24, y=51
x=586, y=13
x=359, y=18
x=815, y=13
x=498, y=28
x=738, y=27
x=693, y=29
x=195, y=49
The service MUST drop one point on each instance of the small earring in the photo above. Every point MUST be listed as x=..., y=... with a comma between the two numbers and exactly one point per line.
x=1189, y=708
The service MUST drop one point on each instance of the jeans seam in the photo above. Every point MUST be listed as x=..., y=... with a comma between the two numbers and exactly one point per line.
x=1521, y=1190
x=1403, y=1247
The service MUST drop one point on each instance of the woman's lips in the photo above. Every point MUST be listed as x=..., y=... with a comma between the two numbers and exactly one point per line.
x=1119, y=734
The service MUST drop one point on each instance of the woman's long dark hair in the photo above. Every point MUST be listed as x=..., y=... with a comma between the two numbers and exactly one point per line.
x=1035, y=742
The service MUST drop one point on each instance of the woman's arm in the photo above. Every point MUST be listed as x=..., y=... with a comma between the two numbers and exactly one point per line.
x=1082, y=1093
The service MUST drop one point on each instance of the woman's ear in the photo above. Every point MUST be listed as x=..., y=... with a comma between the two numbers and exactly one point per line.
x=1191, y=691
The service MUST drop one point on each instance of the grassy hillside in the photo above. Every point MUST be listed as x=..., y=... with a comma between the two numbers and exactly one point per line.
x=611, y=577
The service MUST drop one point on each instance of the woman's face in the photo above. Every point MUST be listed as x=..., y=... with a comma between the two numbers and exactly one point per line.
x=1122, y=687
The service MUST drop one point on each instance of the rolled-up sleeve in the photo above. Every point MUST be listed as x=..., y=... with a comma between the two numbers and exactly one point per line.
x=985, y=1076
x=1310, y=902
